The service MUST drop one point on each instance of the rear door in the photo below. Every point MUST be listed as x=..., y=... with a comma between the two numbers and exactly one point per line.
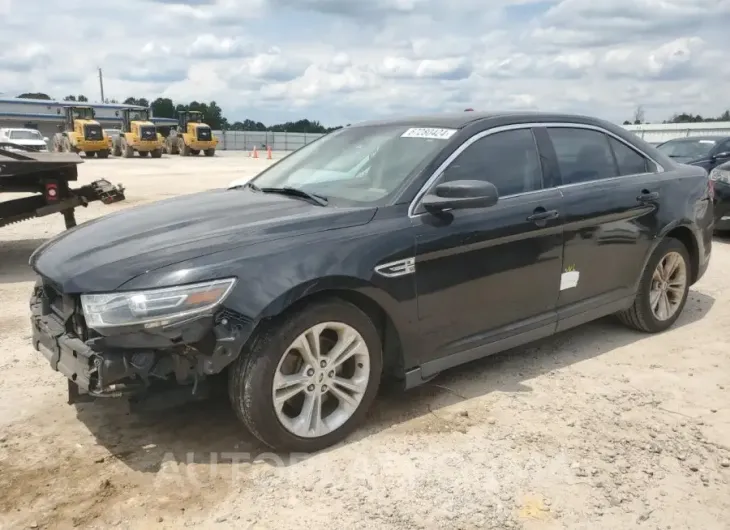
x=611, y=194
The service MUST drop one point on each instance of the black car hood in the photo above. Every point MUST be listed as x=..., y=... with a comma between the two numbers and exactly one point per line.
x=105, y=253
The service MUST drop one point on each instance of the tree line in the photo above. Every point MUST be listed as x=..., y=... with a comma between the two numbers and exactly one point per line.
x=166, y=108
x=683, y=117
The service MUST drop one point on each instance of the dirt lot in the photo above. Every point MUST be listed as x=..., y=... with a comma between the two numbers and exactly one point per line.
x=599, y=427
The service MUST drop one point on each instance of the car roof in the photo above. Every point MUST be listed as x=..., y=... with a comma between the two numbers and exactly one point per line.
x=459, y=120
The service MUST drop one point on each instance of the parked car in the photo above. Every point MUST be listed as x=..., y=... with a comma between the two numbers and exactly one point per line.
x=24, y=137
x=704, y=151
x=462, y=235
x=720, y=177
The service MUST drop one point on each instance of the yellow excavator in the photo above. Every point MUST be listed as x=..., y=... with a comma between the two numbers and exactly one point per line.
x=191, y=136
x=80, y=132
x=138, y=134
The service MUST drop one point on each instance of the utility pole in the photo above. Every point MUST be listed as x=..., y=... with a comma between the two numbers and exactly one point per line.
x=101, y=86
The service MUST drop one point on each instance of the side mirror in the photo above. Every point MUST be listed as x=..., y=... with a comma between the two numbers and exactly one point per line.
x=461, y=194
x=45, y=138
x=724, y=154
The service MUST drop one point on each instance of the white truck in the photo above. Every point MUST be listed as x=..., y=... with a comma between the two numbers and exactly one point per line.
x=26, y=137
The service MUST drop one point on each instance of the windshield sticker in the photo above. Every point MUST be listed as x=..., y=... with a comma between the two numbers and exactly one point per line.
x=429, y=133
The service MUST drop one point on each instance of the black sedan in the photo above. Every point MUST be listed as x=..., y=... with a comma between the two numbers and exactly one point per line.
x=704, y=151
x=394, y=248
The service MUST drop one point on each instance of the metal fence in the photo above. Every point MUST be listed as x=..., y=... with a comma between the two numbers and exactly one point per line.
x=278, y=141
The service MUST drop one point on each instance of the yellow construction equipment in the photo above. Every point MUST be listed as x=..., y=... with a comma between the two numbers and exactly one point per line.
x=138, y=134
x=192, y=135
x=80, y=132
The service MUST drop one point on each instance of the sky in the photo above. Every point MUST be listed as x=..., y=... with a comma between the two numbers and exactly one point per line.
x=342, y=61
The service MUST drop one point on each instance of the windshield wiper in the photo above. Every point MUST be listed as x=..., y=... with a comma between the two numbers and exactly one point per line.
x=293, y=192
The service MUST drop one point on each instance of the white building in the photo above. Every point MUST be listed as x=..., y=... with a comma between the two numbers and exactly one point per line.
x=655, y=133
x=46, y=115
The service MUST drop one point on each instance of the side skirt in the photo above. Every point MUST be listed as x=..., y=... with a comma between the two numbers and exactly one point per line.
x=568, y=318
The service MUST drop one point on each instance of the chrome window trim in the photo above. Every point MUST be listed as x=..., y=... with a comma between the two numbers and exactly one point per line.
x=446, y=163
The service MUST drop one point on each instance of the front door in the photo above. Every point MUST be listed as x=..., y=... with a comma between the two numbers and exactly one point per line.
x=610, y=193
x=484, y=274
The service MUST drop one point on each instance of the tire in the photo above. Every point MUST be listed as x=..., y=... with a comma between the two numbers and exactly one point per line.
x=104, y=153
x=183, y=148
x=251, y=377
x=66, y=145
x=90, y=154
x=127, y=150
x=156, y=153
x=143, y=153
x=209, y=152
x=640, y=315
x=116, y=150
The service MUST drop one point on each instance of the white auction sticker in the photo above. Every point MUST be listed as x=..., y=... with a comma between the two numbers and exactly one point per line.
x=430, y=133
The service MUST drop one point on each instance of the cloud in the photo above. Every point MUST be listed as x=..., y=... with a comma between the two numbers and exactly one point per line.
x=340, y=61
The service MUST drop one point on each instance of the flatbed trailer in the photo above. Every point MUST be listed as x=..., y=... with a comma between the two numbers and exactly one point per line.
x=47, y=176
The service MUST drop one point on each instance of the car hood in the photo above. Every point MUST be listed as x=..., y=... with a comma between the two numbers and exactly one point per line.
x=103, y=254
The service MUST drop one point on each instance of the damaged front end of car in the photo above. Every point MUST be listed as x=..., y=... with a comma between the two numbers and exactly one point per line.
x=155, y=347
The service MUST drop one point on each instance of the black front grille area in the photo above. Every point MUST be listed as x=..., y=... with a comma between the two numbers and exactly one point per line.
x=204, y=134
x=147, y=133
x=93, y=132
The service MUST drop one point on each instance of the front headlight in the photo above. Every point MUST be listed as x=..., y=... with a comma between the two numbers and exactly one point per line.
x=154, y=307
x=721, y=175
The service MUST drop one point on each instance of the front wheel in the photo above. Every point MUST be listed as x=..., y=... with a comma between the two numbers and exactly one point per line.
x=662, y=290
x=209, y=152
x=308, y=379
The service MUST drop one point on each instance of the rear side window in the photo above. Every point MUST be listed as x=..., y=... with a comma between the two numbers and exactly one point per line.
x=583, y=155
x=629, y=161
x=508, y=159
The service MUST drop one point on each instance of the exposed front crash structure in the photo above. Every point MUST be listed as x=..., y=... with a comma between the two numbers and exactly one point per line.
x=162, y=365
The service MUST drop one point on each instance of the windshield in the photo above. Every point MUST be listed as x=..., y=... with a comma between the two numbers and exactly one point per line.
x=138, y=115
x=83, y=113
x=691, y=149
x=25, y=135
x=359, y=165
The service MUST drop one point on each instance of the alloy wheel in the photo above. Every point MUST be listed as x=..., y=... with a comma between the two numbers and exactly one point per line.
x=668, y=286
x=321, y=379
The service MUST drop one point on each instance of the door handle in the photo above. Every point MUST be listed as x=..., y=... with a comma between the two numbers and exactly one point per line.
x=647, y=196
x=542, y=215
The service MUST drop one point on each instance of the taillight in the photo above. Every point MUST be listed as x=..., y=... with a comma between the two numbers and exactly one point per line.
x=51, y=191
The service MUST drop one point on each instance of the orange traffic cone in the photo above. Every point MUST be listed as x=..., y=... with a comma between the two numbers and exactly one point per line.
x=268, y=153
x=255, y=152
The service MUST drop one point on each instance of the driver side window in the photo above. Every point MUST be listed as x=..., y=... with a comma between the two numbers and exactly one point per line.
x=507, y=159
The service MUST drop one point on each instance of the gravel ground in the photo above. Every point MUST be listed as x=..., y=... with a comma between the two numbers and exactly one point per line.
x=598, y=427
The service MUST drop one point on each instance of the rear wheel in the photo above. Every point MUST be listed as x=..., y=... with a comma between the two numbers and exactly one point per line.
x=143, y=153
x=308, y=379
x=195, y=152
x=90, y=154
x=209, y=152
x=127, y=150
x=104, y=153
x=156, y=153
x=662, y=290
x=183, y=148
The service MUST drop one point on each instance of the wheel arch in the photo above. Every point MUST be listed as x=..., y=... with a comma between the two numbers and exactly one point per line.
x=687, y=237
x=372, y=301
